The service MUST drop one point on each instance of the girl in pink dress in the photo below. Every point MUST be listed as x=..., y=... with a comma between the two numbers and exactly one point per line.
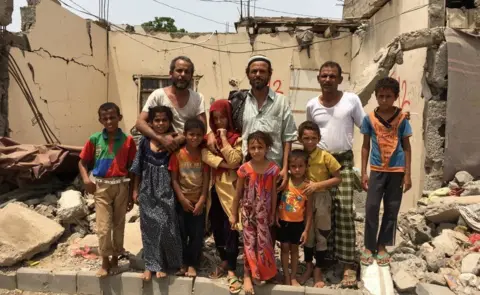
x=257, y=193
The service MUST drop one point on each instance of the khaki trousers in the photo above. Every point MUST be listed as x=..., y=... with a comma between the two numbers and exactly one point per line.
x=111, y=201
x=321, y=221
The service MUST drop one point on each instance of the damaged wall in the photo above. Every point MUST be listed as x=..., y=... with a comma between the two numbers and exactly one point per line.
x=66, y=71
x=393, y=19
x=218, y=68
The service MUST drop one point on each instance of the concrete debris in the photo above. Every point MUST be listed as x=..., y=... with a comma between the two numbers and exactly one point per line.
x=471, y=264
x=462, y=177
x=47, y=211
x=446, y=243
x=430, y=289
x=404, y=281
x=24, y=233
x=441, y=213
x=71, y=207
x=50, y=199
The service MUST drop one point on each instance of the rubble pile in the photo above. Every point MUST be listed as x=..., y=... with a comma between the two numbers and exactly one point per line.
x=440, y=242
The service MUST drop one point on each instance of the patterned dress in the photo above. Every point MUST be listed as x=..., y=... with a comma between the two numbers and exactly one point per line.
x=162, y=246
x=259, y=254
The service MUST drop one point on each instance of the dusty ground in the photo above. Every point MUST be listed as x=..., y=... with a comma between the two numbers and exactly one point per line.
x=62, y=257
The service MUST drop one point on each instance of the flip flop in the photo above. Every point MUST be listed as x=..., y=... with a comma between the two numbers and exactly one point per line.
x=231, y=282
x=349, y=279
x=383, y=260
x=366, y=258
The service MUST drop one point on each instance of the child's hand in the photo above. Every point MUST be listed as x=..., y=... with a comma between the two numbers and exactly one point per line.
x=407, y=182
x=233, y=220
x=278, y=221
x=312, y=187
x=303, y=238
x=186, y=205
x=90, y=187
x=272, y=219
x=198, y=208
x=365, y=182
x=135, y=196
x=222, y=132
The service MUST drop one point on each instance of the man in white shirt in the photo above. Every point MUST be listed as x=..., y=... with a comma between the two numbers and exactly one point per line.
x=336, y=112
x=185, y=104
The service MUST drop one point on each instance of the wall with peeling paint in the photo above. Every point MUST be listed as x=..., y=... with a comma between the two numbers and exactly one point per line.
x=66, y=71
x=129, y=57
x=393, y=19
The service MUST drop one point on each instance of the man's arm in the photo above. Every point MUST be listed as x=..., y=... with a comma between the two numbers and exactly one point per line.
x=358, y=112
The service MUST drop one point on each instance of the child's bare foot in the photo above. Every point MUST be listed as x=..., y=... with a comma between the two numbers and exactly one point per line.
x=161, y=275
x=317, y=274
x=307, y=274
x=103, y=271
x=191, y=272
x=248, y=286
x=181, y=272
x=295, y=283
x=147, y=276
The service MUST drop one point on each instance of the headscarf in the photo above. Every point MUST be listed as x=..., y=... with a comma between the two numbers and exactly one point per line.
x=223, y=106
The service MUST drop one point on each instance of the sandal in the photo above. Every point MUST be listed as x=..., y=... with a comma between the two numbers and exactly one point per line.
x=217, y=274
x=231, y=285
x=349, y=279
x=383, y=259
x=366, y=258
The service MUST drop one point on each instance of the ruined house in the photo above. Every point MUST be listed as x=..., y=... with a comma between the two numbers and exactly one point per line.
x=68, y=66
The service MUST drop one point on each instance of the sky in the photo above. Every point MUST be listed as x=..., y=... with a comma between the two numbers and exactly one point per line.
x=135, y=12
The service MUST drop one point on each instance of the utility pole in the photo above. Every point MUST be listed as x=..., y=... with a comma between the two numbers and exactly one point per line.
x=241, y=9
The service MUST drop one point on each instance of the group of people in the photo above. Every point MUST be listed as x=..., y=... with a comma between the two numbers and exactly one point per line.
x=244, y=178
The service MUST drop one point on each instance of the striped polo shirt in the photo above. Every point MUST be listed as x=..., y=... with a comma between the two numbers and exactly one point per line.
x=112, y=157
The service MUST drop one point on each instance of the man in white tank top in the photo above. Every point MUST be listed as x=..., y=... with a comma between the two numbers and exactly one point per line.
x=336, y=112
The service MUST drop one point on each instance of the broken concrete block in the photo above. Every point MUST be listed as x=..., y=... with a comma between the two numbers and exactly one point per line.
x=468, y=280
x=420, y=233
x=462, y=177
x=409, y=263
x=442, y=213
x=435, y=260
x=71, y=207
x=471, y=188
x=435, y=278
x=24, y=233
x=430, y=289
x=404, y=281
x=446, y=243
x=470, y=263
x=457, y=18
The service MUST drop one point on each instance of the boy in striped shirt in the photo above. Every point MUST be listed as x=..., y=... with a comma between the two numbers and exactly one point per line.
x=111, y=153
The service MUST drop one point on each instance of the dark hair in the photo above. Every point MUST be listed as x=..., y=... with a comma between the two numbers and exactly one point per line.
x=270, y=69
x=109, y=106
x=259, y=136
x=308, y=125
x=388, y=83
x=185, y=59
x=194, y=123
x=161, y=110
x=298, y=153
x=332, y=64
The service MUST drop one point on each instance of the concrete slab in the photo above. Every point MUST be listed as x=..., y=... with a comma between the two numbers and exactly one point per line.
x=204, y=286
x=132, y=283
x=33, y=279
x=88, y=283
x=180, y=286
x=8, y=281
x=157, y=287
x=287, y=290
x=319, y=291
x=63, y=282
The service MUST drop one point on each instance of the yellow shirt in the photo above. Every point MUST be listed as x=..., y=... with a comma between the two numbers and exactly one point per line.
x=321, y=165
x=224, y=183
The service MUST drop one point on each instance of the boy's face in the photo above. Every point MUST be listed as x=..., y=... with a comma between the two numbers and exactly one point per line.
x=297, y=167
x=194, y=137
x=385, y=98
x=309, y=139
x=160, y=123
x=109, y=119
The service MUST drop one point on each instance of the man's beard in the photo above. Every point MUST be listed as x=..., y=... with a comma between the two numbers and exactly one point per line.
x=258, y=84
x=181, y=85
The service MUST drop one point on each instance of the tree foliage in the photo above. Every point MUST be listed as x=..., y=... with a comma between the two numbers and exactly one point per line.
x=162, y=24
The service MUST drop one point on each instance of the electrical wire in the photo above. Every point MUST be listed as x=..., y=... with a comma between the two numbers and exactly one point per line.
x=191, y=43
x=18, y=76
x=187, y=12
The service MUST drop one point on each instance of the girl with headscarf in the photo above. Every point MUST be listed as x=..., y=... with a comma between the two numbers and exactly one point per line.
x=224, y=176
